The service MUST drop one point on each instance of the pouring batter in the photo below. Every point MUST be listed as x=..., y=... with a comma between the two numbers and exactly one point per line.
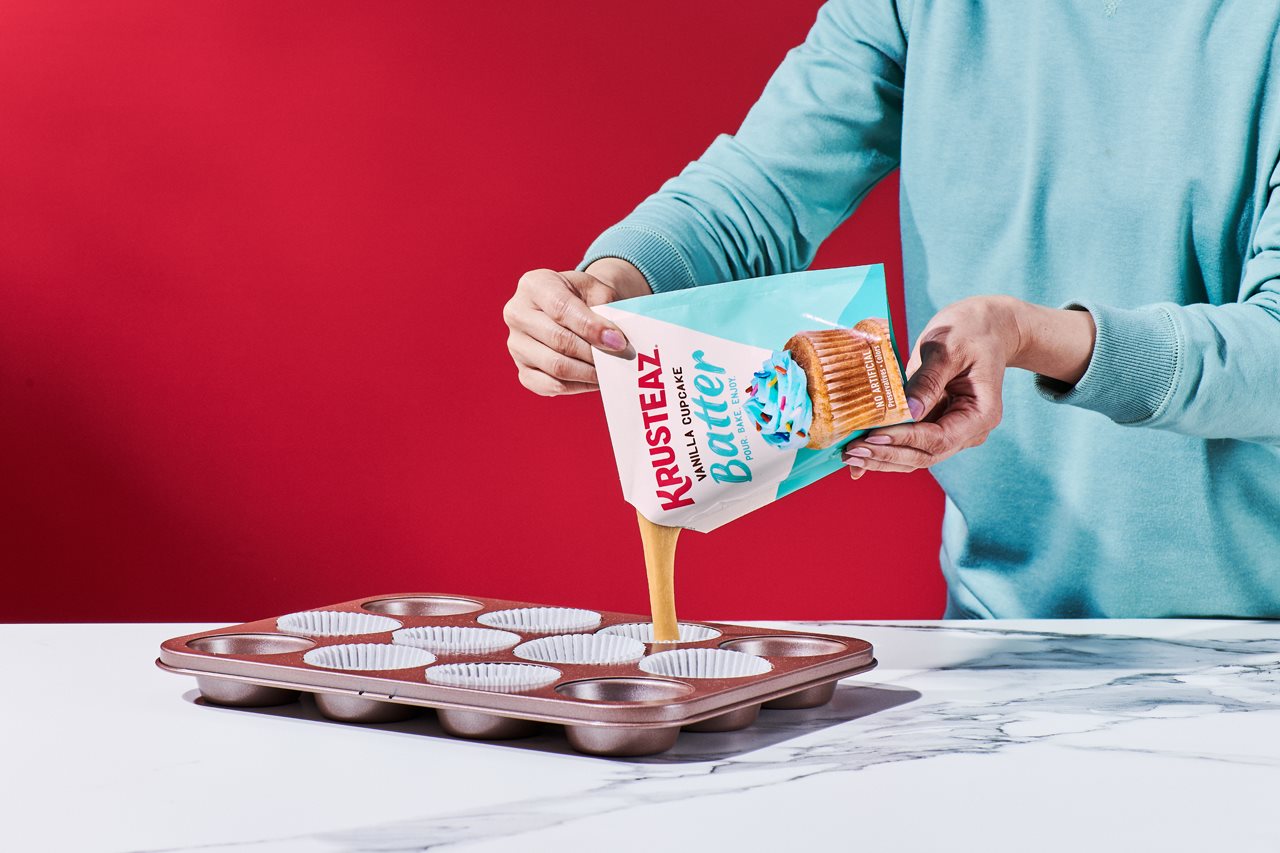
x=660, y=568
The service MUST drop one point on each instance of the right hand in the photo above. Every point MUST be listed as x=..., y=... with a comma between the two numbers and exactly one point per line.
x=553, y=327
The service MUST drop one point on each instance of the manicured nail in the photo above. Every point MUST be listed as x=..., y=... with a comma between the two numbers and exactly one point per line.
x=855, y=473
x=613, y=339
x=916, y=408
x=855, y=462
x=878, y=439
x=858, y=451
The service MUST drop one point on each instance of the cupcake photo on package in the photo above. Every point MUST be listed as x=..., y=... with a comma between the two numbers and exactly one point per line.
x=743, y=392
x=825, y=385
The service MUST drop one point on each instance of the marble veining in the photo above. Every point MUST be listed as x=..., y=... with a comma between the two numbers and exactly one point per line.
x=996, y=722
x=1020, y=687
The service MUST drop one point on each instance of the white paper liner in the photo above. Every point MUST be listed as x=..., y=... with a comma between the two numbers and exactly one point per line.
x=335, y=623
x=705, y=663
x=368, y=656
x=542, y=620
x=582, y=648
x=453, y=640
x=497, y=677
x=643, y=631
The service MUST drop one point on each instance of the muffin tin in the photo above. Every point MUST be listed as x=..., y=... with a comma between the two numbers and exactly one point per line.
x=502, y=667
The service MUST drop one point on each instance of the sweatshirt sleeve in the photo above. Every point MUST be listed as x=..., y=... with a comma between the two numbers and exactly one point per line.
x=1211, y=371
x=825, y=130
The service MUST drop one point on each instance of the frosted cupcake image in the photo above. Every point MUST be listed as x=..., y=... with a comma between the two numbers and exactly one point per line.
x=826, y=384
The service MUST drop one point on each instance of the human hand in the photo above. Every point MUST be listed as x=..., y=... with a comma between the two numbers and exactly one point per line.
x=553, y=327
x=956, y=373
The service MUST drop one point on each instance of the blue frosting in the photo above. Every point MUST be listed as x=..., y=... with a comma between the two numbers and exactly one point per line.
x=778, y=402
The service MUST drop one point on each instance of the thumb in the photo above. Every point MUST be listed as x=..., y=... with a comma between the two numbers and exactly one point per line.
x=927, y=382
x=598, y=330
x=590, y=289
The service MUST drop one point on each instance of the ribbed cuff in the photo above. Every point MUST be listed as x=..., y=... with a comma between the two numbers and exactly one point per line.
x=649, y=251
x=1134, y=366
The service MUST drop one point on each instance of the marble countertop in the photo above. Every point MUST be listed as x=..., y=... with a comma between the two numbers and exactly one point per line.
x=999, y=736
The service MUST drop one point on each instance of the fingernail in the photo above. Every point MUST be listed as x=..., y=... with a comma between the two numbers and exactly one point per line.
x=613, y=339
x=855, y=473
x=858, y=451
x=916, y=408
x=878, y=439
x=855, y=462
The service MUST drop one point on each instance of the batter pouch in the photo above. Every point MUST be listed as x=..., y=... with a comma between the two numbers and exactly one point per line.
x=743, y=392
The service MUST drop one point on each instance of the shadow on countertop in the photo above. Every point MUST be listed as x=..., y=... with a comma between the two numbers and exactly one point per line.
x=851, y=702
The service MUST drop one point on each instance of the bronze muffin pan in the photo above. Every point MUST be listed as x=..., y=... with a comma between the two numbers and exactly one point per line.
x=496, y=669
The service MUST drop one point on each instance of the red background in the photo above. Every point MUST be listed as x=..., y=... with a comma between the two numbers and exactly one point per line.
x=252, y=264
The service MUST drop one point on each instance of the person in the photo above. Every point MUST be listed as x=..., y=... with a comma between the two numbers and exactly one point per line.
x=1117, y=159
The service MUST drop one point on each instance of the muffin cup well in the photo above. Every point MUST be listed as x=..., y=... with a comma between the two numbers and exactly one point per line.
x=705, y=663
x=790, y=646
x=497, y=677
x=618, y=741
x=455, y=640
x=542, y=620
x=422, y=605
x=358, y=709
x=582, y=649
x=242, y=694
x=643, y=631
x=625, y=689
x=373, y=657
x=335, y=623
x=730, y=722
x=481, y=726
x=250, y=644
x=810, y=697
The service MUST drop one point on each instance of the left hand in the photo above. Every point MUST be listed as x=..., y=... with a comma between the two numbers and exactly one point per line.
x=954, y=380
x=956, y=374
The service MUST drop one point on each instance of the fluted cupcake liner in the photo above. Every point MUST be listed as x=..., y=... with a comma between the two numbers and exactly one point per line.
x=452, y=639
x=854, y=380
x=705, y=663
x=887, y=368
x=497, y=677
x=643, y=631
x=335, y=623
x=368, y=656
x=582, y=648
x=542, y=620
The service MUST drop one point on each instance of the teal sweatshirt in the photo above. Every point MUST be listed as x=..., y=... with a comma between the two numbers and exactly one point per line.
x=1115, y=155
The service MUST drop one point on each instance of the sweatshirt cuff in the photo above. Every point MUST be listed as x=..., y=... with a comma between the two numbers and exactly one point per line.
x=652, y=253
x=1133, y=369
